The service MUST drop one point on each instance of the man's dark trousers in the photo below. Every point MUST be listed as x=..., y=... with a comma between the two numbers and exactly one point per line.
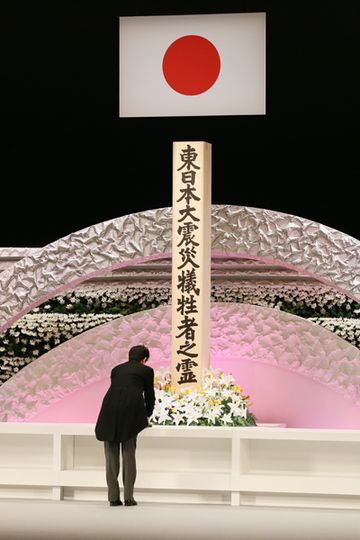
x=112, y=458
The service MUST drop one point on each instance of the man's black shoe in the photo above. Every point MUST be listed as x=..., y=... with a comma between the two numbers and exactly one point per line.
x=130, y=502
x=115, y=503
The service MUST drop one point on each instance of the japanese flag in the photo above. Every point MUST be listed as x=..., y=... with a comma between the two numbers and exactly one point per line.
x=192, y=65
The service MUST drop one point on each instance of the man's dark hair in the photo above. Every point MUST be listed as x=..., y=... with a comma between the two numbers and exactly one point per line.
x=138, y=353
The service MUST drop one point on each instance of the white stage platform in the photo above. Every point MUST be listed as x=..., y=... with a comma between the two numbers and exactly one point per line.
x=256, y=466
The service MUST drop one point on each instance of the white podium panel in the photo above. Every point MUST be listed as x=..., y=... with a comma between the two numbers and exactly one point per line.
x=250, y=466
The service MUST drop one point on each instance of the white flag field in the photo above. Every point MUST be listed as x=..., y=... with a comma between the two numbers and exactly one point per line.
x=192, y=65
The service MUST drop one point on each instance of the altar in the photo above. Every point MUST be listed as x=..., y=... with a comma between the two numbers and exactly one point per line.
x=257, y=466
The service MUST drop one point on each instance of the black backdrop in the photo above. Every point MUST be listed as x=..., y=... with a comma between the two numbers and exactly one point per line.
x=68, y=160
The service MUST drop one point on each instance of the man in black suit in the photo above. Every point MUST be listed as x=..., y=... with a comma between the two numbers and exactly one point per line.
x=125, y=411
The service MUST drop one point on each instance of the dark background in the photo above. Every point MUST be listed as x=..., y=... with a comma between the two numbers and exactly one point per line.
x=68, y=160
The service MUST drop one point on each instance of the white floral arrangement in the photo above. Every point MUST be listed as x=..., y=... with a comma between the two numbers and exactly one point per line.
x=321, y=298
x=64, y=317
x=219, y=402
x=348, y=329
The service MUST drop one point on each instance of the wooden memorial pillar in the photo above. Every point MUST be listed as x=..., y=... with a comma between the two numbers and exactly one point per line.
x=191, y=263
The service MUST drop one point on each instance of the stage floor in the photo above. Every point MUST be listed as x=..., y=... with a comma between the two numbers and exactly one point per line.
x=78, y=520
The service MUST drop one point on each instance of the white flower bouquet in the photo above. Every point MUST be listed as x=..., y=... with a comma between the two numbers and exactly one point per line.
x=219, y=402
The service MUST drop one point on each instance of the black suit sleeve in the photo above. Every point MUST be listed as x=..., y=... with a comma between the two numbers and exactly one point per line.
x=149, y=392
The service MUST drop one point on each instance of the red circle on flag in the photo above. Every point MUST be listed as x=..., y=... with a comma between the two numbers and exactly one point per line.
x=191, y=65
